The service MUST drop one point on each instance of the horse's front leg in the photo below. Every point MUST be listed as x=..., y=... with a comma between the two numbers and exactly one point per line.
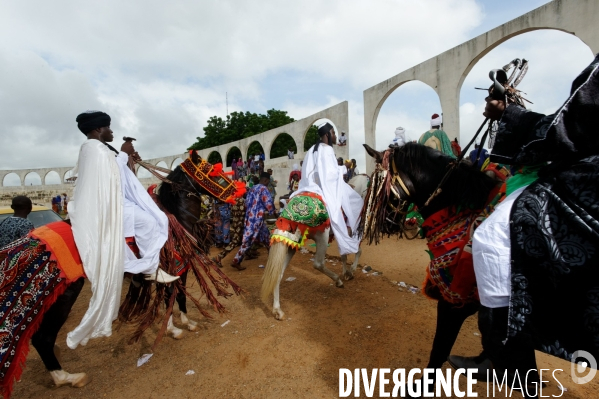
x=182, y=302
x=322, y=240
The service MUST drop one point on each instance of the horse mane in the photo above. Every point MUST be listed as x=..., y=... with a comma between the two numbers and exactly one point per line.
x=167, y=194
x=466, y=187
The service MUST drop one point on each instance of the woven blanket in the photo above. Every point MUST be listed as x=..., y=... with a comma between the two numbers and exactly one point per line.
x=58, y=237
x=304, y=214
x=30, y=282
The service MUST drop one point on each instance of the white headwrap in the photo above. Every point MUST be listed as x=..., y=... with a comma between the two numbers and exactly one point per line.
x=436, y=121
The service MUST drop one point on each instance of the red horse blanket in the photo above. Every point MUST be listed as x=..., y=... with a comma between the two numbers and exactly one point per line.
x=31, y=278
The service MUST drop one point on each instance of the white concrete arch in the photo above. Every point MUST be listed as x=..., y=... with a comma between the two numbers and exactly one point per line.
x=447, y=71
x=10, y=179
x=176, y=162
x=275, y=139
x=32, y=178
x=53, y=177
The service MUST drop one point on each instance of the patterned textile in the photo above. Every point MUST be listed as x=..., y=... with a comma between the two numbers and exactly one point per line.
x=303, y=214
x=258, y=202
x=449, y=235
x=213, y=180
x=30, y=282
x=58, y=236
x=13, y=228
x=222, y=224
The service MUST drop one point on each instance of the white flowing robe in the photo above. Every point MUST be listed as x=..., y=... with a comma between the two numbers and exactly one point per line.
x=96, y=213
x=142, y=220
x=322, y=175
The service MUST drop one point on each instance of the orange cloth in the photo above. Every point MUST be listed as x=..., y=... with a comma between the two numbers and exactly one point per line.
x=58, y=238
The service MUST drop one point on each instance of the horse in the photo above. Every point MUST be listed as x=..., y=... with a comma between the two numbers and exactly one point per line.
x=412, y=174
x=284, y=245
x=56, y=294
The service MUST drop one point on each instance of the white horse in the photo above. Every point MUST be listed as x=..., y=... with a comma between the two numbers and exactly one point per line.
x=280, y=255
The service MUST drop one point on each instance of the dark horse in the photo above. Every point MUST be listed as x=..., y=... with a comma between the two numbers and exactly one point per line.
x=182, y=199
x=465, y=193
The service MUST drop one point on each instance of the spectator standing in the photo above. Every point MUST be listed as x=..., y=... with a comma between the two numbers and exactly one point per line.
x=16, y=226
x=290, y=153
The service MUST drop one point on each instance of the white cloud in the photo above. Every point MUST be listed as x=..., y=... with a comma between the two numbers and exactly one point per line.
x=160, y=69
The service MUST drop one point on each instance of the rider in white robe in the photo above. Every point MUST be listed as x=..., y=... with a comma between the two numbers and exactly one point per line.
x=100, y=214
x=321, y=175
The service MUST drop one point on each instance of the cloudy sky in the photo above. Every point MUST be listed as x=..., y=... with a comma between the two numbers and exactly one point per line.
x=161, y=69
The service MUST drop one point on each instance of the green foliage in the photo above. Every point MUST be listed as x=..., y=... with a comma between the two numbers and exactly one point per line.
x=239, y=125
x=234, y=153
x=311, y=137
x=214, y=157
x=255, y=148
x=281, y=144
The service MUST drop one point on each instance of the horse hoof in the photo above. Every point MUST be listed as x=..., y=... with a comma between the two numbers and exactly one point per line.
x=348, y=276
x=175, y=332
x=192, y=326
x=279, y=315
x=339, y=284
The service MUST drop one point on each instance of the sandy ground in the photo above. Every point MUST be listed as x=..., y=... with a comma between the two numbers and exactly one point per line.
x=369, y=324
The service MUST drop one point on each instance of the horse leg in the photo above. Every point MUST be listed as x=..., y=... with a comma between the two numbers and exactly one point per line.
x=276, y=305
x=319, y=258
x=44, y=340
x=349, y=274
x=449, y=322
x=182, y=302
x=176, y=333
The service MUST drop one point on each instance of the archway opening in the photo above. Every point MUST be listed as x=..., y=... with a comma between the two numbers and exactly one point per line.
x=162, y=164
x=11, y=180
x=52, y=177
x=69, y=177
x=234, y=153
x=33, y=179
x=255, y=148
x=214, y=158
x=410, y=106
x=547, y=83
x=281, y=145
x=176, y=163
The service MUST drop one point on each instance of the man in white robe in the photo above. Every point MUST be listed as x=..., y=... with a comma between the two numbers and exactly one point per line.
x=321, y=175
x=108, y=203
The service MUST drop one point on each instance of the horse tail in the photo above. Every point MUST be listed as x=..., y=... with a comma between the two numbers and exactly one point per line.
x=274, y=267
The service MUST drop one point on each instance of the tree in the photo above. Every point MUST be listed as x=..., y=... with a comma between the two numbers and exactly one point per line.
x=311, y=137
x=239, y=125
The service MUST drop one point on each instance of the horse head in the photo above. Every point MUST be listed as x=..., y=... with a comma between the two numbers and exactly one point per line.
x=411, y=174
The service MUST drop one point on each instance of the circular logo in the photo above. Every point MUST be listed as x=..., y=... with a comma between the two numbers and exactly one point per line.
x=584, y=367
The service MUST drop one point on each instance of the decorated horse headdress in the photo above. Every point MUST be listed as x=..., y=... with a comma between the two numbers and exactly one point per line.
x=212, y=178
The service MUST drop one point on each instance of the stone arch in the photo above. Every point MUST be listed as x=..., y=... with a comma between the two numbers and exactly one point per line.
x=52, y=177
x=254, y=147
x=162, y=164
x=32, y=179
x=214, y=157
x=504, y=39
x=541, y=45
x=280, y=145
x=233, y=152
x=410, y=105
x=176, y=163
x=11, y=179
x=67, y=175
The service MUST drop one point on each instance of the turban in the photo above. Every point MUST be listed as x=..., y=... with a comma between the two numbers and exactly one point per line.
x=90, y=120
x=399, y=132
x=324, y=129
x=436, y=120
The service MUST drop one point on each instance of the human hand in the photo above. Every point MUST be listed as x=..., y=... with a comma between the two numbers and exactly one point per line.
x=136, y=156
x=127, y=148
x=494, y=108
